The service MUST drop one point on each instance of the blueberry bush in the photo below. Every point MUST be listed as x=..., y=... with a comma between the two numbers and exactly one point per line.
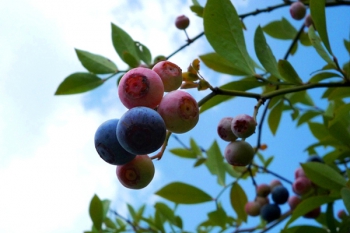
x=158, y=109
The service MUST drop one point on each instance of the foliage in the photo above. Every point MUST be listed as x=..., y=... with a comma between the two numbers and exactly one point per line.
x=278, y=89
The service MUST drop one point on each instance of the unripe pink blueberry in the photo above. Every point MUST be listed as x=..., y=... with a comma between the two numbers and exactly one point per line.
x=239, y=153
x=182, y=22
x=140, y=87
x=308, y=21
x=297, y=10
x=137, y=173
x=179, y=111
x=301, y=185
x=313, y=213
x=170, y=73
x=252, y=208
x=275, y=183
x=293, y=202
x=224, y=129
x=299, y=172
x=262, y=200
x=341, y=214
x=263, y=190
x=243, y=125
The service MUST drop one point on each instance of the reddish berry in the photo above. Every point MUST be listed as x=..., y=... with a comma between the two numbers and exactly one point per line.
x=179, y=111
x=170, y=74
x=136, y=174
x=301, y=185
x=299, y=172
x=308, y=21
x=182, y=22
x=140, y=87
x=262, y=200
x=293, y=202
x=243, y=126
x=252, y=208
x=239, y=153
x=275, y=183
x=313, y=213
x=297, y=10
x=341, y=214
x=224, y=129
x=263, y=190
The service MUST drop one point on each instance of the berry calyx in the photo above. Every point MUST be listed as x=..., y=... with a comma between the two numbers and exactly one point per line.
x=243, y=125
x=182, y=22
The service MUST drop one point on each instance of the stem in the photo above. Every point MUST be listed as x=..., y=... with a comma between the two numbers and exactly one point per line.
x=273, y=173
x=159, y=155
x=189, y=41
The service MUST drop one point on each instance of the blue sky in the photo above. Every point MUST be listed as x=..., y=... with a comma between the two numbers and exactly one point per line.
x=49, y=169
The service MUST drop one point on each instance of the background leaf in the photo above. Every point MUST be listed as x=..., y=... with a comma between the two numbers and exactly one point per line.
x=96, y=63
x=280, y=29
x=316, y=43
x=78, y=83
x=215, y=62
x=215, y=163
x=288, y=73
x=96, y=212
x=274, y=117
x=238, y=200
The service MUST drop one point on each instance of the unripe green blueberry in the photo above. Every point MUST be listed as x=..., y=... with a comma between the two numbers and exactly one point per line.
x=224, y=129
x=301, y=185
x=243, y=125
x=262, y=200
x=252, y=208
x=239, y=153
x=179, y=111
x=313, y=213
x=270, y=212
x=140, y=87
x=280, y=194
x=136, y=174
x=159, y=58
x=297, y=10
x=293, y=202
x=263, y=190
x=275, y=183
x=170, y=73
x=182, y=22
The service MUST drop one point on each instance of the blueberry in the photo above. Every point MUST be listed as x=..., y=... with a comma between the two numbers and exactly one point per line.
x=108, y=146
x=270, y=212
x=141, y=130
x=315, y=158
x=280, y=194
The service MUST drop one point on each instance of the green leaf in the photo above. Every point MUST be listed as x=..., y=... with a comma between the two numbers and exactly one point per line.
x=144, y=53
x=300, y=97
x=241, y=85
x=264, y=53
x=105, y=203
x=218, y=217
x=182, y=193
x=96, y=212
x=129, y=59
x=215, y=163
x=308, y=205
x=318, y=15
x=304, y=39
x=223, y=29
x=339, y=130
x=345, y=195
x=342, y=112
x=304, y=229
x=347, y=45
x=288, y=73
x=199, y=162
x=195, y=148
x=215, y=62
x=274, y=117
x=78, y=83
x=322, y=76
x=232, y=172
x=330, y=218
x=307, y=116
x=96, y=63
x=184, y=153
x=123, y=43
x=318, y=130
x=238, y=199
x=280, y=29
x=324, y=176
x=316, y=43
x=339, y=93
x=109, y=223
x=165, y=211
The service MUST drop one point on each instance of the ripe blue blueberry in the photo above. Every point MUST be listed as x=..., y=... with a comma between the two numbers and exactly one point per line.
x=141, y=130
x=315, y=158
x=280, y=194
x=270, y=212
x=108, y=146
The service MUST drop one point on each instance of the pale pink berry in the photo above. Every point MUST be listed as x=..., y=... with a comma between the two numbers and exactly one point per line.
x=224, y=129
x=308, y=21
x=297, y=10
x=302, y=185
x=252, y=208
x=293, y=202
x=239, y=153
x=243, y=125
x=170, y=74
x=299, y=172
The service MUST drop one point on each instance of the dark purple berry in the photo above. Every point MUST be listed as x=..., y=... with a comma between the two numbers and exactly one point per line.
x=280, y=194
x=270, y=212
x=108, y=146
x=315, y=158
x=182, y=22
x=141, y=130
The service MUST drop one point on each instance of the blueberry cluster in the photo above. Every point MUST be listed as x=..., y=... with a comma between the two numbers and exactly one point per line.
x=126, y=142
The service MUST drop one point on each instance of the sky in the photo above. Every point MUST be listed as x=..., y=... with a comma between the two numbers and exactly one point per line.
x=49, y=169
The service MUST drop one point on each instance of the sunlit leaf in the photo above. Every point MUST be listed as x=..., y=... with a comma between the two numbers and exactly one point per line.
x=182, y=193
x=280, y=29
x=131, y=60
x=195, y=148
x=215, y=62
x=144, y=53
x=300, y=97
x=307, y=116
x=218, y=217
x=215, y=163
x=304, y=39
x=78, y=83
x=238, y=199
x=322, y=76
x=223, y=29
x=274, y=117
x=165, y=211
x=123, y=43
x=323, y=175
x=184, y=153
x=96, y=212
x=316, y=43
x=318, y=15
x=96, y=63
x=264, y=53
x=288, y=73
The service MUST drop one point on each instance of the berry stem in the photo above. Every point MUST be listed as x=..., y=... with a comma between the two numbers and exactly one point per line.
x=159, y=155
